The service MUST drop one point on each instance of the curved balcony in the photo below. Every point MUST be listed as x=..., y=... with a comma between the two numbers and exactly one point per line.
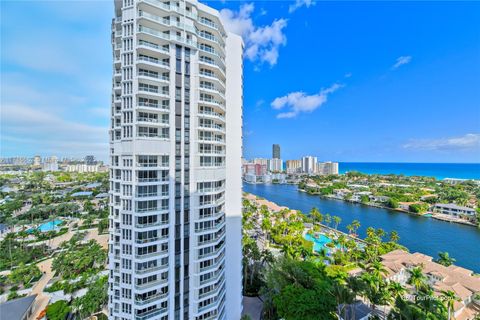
x=218, y=236
x=211, y=254
x=152, y=106
x=151, y=62
x=154, y=77
x=153, y=269
x=206, y=74
x=219, y=262
x=155, y=283
x=152, y=225
x=161, y=6
x=216, y=276
x=151, y=240
x=147, y=47
x=151, y=314
x=151, y=255
x=217, y=287
x=153, y=298
x=219, y=300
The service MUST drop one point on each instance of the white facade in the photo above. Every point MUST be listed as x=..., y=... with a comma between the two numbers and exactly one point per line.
x=37, y=161
x=175, y=237
x=326, y=168
x=82, y=168
x=50, y=164
x=309, y=164
x=453, y=210
x=262, y=161
x=294, y=166
x=275, y=165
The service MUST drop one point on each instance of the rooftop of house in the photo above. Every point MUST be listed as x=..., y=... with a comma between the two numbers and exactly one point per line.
x=17, y=308
x=457, y=279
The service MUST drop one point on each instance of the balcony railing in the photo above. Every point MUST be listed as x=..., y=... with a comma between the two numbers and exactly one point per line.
x=151, y=298
x=142, y=241
x=150, y=314
x=148, y=225
x=153, y=45
x=153, y=105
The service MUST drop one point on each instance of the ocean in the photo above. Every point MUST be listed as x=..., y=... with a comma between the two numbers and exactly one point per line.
x=437, y=170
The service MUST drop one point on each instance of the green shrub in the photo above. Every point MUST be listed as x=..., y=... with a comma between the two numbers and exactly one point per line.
x=58, y=310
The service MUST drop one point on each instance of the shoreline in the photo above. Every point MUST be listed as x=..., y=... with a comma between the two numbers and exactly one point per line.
x=437, y=216
x=275, y=207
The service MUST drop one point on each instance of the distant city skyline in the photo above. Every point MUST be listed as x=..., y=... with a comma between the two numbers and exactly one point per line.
x=384, y=82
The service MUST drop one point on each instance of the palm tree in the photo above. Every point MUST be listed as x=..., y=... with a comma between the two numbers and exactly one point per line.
x=449, y=297
x=417, y=278
x=355, y=225
x=327, y=219
x=394, y=237
x=337, y=221
x=444, y=259
x=350, y=229
x=377, y=269
x=396, y=289
x=316, y=215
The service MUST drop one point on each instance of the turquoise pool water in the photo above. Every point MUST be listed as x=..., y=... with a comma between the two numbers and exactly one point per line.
x=48, y=226
x=320, y=242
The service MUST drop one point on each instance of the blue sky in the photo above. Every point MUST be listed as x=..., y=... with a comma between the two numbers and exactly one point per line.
x=345, y=81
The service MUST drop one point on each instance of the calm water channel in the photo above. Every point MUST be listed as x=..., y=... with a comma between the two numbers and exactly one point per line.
x=425, y=235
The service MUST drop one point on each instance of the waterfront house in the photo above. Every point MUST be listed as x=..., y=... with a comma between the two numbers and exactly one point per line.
x=453, y=210
x=357, y=196
x=457, y=279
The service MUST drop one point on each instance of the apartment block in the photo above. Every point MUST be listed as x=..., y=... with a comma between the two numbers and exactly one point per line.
x=175, y=155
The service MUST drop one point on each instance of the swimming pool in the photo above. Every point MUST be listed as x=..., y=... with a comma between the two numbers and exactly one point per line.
x=318, y=243
x=48, y=226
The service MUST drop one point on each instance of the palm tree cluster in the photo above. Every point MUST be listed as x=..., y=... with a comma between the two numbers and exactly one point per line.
x=300, y=283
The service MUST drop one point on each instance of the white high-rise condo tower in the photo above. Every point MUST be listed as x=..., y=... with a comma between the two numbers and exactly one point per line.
x=175, y=177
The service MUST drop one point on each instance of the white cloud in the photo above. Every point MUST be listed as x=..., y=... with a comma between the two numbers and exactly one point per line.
x=261, y=42
x=470, y=141
x=348, y=75
x=300, y=3
x=301, y=102
x=401, y=61
x=45, y=131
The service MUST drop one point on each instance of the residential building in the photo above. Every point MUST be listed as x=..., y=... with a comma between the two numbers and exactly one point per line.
x=90, y=160
x=309, y=164
x=276, y=151
x=255, y=169
x=275, y=165
x=453, y=209
x=50, y=164
x=261, y=161
x=82, y=168
x=17, y=161
x=457, y=279
x=37, y=161
x=294, y=166
x=327, y=168
x=175, y=199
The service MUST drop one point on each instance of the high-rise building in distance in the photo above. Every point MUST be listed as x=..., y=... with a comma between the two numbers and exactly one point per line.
x=275, y=165
x=276, y=151
x=175, y=177
x=309, y=164
x=90, y=160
